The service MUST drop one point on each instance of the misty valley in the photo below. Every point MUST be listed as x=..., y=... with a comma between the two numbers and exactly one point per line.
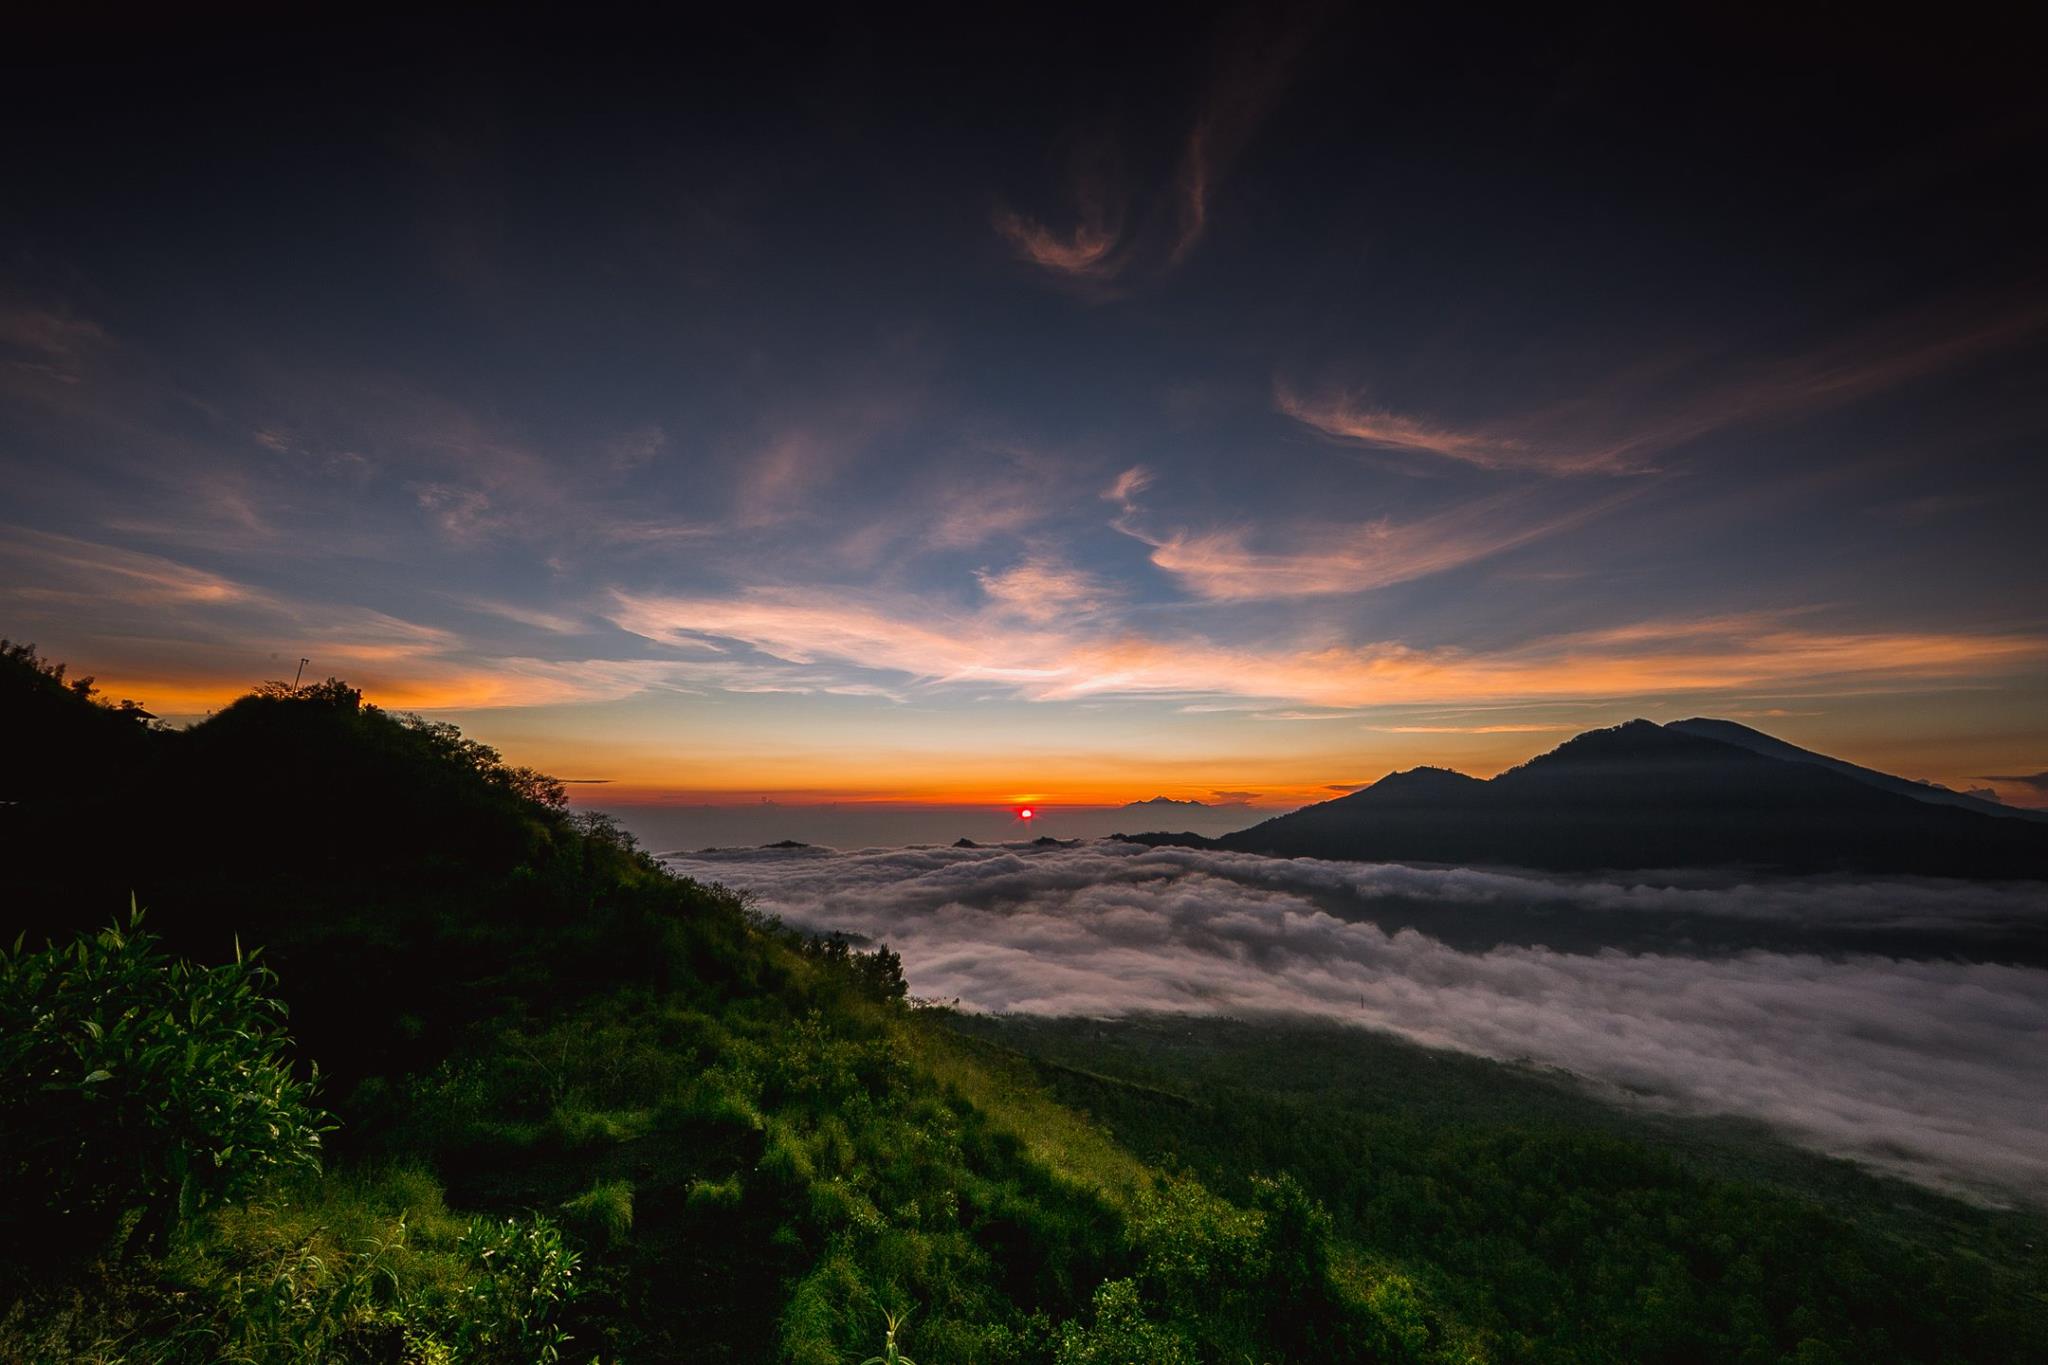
x=1890, y=1021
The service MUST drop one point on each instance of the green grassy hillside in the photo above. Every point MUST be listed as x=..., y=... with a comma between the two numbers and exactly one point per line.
x=1547, y=1223
x=571, y=1107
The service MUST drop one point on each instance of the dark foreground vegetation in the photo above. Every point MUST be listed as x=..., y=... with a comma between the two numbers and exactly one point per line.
x=570, y=1107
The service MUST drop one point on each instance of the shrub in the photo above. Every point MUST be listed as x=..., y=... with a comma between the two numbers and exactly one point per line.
x=1399, y=1323
x=1121, y=1334
x=1200, y=1252
x=137, y=1090
x=522, y=1273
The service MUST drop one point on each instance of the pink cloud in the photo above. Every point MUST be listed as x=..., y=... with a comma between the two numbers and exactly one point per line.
x=1042, y=589
x=1044, y=662
x=1227, y=565
x=1086, y=251
x=1258, y=58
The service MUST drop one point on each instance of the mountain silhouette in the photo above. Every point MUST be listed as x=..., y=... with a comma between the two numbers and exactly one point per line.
x=1756, y=741
x=1643, y=795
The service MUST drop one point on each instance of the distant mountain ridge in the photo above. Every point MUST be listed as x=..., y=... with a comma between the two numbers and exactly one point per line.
x=1694, y=794
x=1756, y=741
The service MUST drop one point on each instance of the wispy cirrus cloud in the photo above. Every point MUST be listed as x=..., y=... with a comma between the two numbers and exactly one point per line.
x=1086, y=252
x=355, y=465
x=920, y=645
x=1126, y=486
x=1257, y=56
x=1470, y=729
x=54, y=570
x=534, y=618
x=1224, y=566
x=1007, y=491
x=1241, y=563
x=184, y=639
x=1095, y=248
x=1628, y=422
x=472, y=478
x=1042, y=588
x=1044, y=631
x=45, y=344
x=781, y=475
x=1346, y=417
x=787, y=470
x=150, y=607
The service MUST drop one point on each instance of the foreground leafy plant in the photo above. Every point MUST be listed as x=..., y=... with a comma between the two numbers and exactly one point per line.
x=890, y=1355
x=137, y=1090
x=523, y=1274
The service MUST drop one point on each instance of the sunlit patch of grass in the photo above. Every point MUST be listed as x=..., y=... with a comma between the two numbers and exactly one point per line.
x=717, y=1194
x=337, y=1216
x=1405, y=1312
x=576, y=1129
x=713, y=1099
x=341, y=1267
x=1003, y=1086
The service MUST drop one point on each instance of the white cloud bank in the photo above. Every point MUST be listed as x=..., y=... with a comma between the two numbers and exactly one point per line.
x=1929, y=1069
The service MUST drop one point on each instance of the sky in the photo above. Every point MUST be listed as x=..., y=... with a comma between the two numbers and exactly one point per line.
x=1074, y=408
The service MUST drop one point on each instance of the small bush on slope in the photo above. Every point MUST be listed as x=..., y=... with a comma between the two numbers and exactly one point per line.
x=138, y=1090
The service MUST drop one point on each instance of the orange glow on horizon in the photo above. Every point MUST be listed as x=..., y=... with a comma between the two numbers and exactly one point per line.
x=1227, y=754
x=1134, y=789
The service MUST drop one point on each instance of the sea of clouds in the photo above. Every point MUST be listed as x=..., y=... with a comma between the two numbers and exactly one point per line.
x=1931, y=1068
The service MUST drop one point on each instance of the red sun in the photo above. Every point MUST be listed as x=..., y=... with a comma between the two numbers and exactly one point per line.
x=1024, y=813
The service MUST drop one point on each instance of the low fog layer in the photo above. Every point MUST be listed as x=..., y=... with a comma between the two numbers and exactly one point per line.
x=1928, y=1068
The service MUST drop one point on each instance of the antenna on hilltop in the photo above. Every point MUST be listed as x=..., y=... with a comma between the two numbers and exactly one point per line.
x=300, y=674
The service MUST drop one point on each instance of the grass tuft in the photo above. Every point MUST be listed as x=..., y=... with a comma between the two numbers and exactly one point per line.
x=606, y=1207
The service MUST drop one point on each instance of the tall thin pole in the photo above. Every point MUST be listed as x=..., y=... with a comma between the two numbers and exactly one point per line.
x=300, y=674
